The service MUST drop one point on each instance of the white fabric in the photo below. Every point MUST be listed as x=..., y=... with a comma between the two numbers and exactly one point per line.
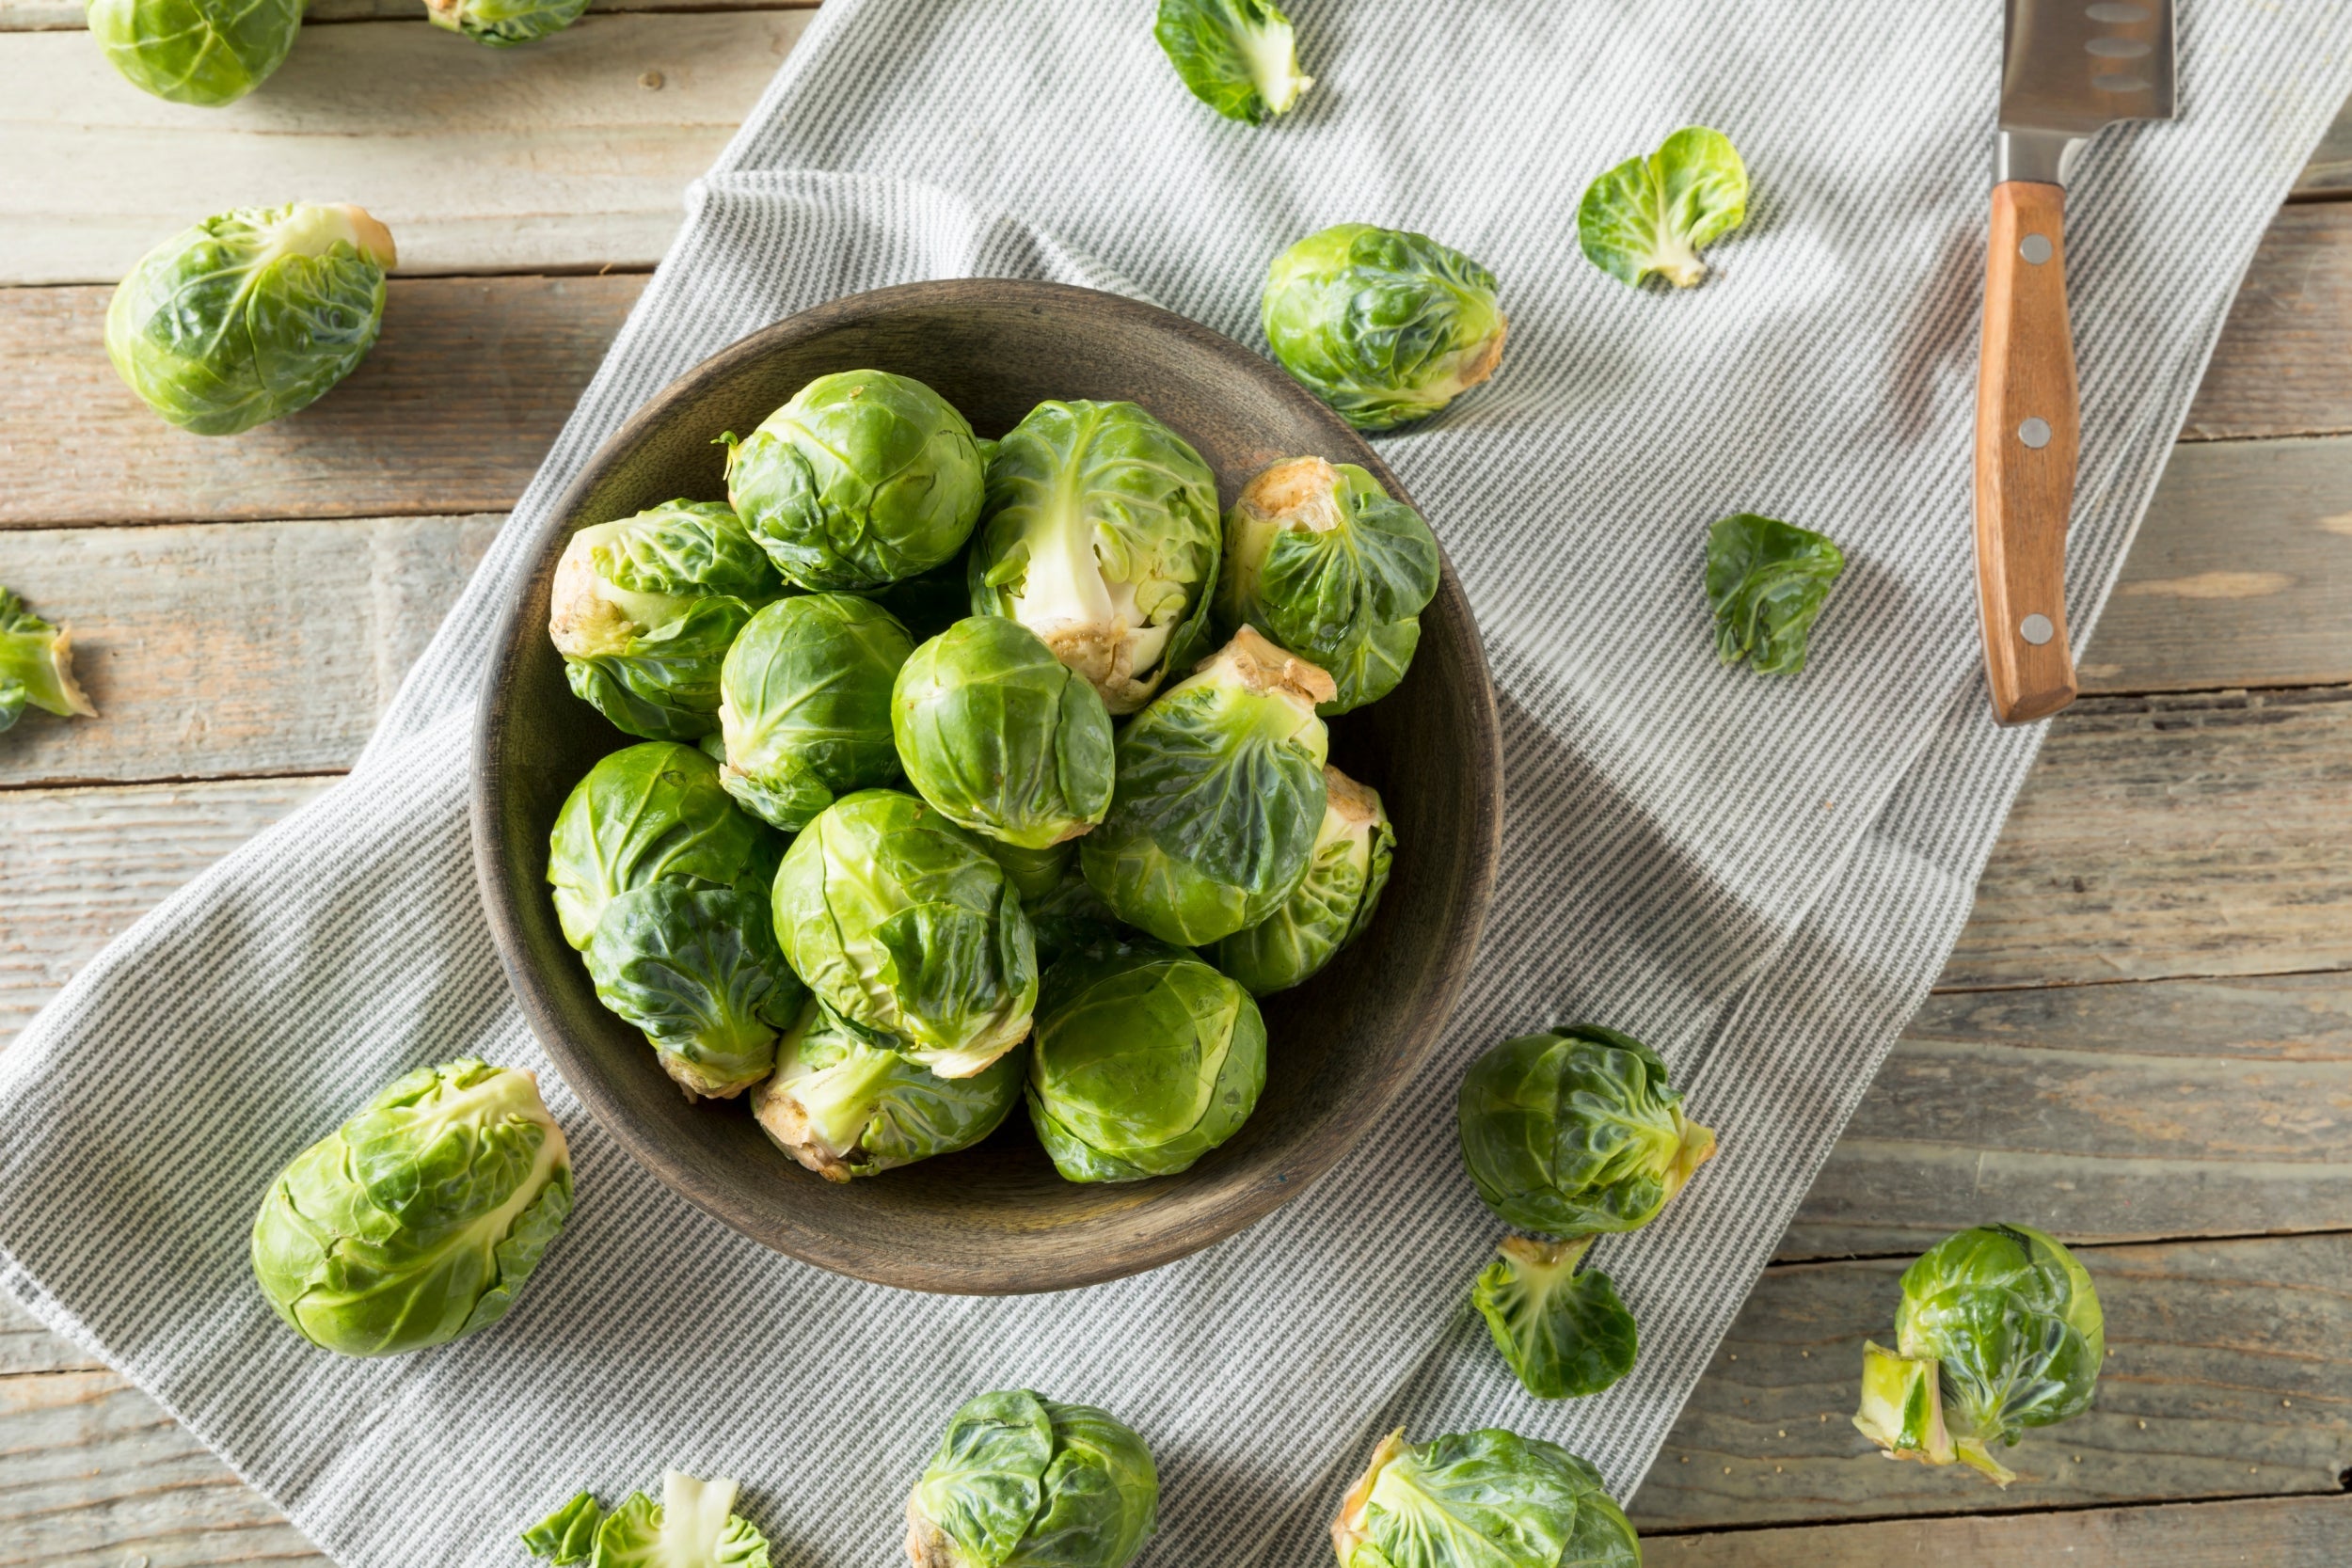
x=1759, y=876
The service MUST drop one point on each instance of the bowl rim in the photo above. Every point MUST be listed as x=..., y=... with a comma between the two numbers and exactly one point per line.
x=1324, y=1144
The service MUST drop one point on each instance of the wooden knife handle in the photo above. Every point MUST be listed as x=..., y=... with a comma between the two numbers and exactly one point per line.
x=2029, y=428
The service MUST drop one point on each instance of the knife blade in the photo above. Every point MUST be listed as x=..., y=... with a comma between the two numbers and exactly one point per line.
x=2069, y=68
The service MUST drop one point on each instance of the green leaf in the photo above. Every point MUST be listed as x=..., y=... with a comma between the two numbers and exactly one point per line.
x=503, y=23
x=1235, y=56
x=1483, y=1499
x=985, y=1481
x=805, y=705
x=682, y=547
x=697, y=970
x=845, y=1104
x=202, y=51
x=36, y=665
x=1768, y=581
x=1564, y=1331
x=692, y=1526
x=1384, y=325
x=1333, y=903
x=646, y=814
x=569, y=1534
x=665, y=684
x=1654, y=215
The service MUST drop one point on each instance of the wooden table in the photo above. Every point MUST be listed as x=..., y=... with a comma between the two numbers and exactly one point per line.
x=2143, y=1041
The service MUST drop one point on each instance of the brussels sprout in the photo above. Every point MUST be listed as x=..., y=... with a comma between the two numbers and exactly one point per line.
x=1319, y=558
x=1023, y=1480
x=847, y=1105
x=251, y=314
x=419, y=1218
x=1563, y=1331
x=1146, y=1059
x=643, y=609
x=1102, y=537
x=1034, y=873
x=1481, y=1500
x=1331, y=905
x=1577, y=1131
x=1999, y=1330
x=1383, y=325
x=1768, y=581
x=203, y=51
x=863, y=479
x=906, y=927
x=1219, y=798
x=1652, y=215
x=36, y=666
x=693, y=1525
x=1236, y=56
x=1002, y=737
x=502, y=23
x=647, y=813
x=805, y=705
x=697, y=970
x=1070, y=915
x=567, y=1535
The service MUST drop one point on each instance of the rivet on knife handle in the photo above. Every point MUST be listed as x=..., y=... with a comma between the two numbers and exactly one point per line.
x=2027, y=431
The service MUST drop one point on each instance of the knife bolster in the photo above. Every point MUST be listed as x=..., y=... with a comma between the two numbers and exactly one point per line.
x=2036, y=157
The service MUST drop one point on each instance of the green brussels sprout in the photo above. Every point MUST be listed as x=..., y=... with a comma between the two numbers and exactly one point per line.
x=1652, y=215
x=1070, y=915
x=864, y=479
x=845, y=1104
x=1481, y=1500
x=1999, y=1330
x=1577, y=1131
x=1146, y=1058
x=1002, y=737
x=804, y=705
x=1219, y=798
x=502, y=23
x=697, y=970
x=1322, y=561
x=906, y=927
x=1100, y=536
x=1383, y=325
x=693, y=1525
x=647, y=813
x=1235, y=56
x=1023, y=1480
x=36, y=666
x=420, y=1218
x=567, y=1535
x=251, y=314
x=1768, y=581
x=645, y=609
x=1562, y=1330
x=1035, y=874
x=1333, y=903
x=202, y=51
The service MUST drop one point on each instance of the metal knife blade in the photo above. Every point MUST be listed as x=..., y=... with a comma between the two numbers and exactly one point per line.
x=2069, y=67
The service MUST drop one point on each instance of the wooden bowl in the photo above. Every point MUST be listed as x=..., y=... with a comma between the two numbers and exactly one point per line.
x=996, y=1219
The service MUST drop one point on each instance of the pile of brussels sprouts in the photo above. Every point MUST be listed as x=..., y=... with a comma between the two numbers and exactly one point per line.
x=975, y=771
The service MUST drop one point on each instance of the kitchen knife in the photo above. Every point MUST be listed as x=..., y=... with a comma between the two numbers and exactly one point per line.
x=2069, y=68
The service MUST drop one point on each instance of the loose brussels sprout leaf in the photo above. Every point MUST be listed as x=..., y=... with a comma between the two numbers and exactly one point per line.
x=2013, y=1325
x=1768, y=581
x=1146, y=1058
x=251, y=314
x=36, y=666
x=647, y=813
x=1333, y=903
x=1070, y=915
x=1219, y=798
x=567, y=1535
x=1652, y=215
x=502, y=23
x=804, y=705
x=863, y=479
x=692, y=1526
x=1236, y=56
x=1562, y=1330
x=1021, y=1479
x=1319, y=558
x=906, y=927
x=1481, y=1500
x=203, y=51
x=1101, y=535
x=419, y=1218
x=1382, y=325
x=697, y=970
x=1902, y=1410
x=845, y=1104
x=1577, y=1131
x=643, y=609
x=1002, y=737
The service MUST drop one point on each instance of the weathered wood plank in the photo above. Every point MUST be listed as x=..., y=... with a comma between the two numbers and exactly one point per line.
x=25, y=1346
x=46, y=16
x=2328, y=175
x=571, y=152
x=2274, y=1532
x=2279, y=369
x=219, y=648
x=2231, y=1375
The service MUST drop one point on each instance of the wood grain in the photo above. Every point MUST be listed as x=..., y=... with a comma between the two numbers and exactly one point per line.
x=569, y=153
x=2281, y=368
x=2328, y=174
x=2275, y=1532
